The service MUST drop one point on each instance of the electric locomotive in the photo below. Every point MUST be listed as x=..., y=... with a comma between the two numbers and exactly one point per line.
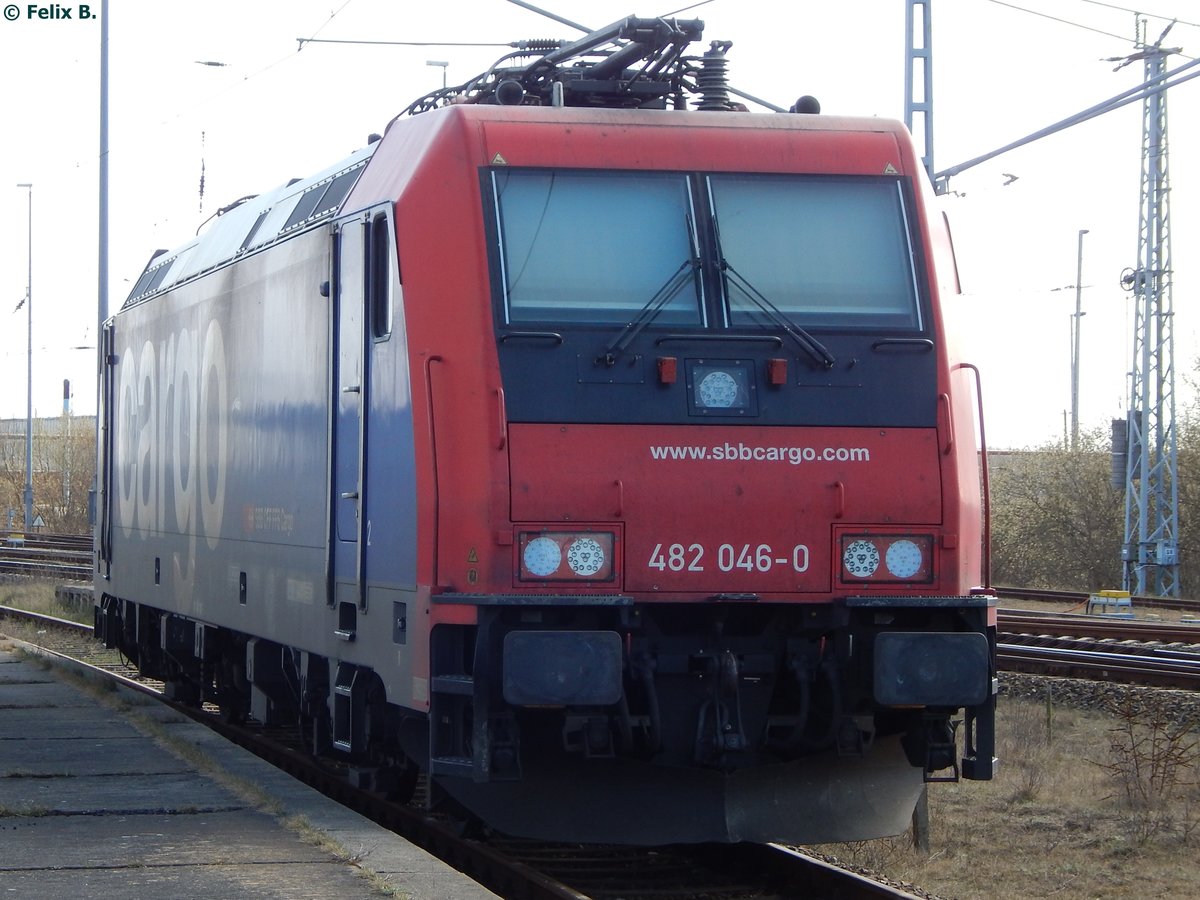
x=606, y=461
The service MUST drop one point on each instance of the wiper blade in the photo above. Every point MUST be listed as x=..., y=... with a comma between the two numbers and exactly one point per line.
x=809, y=344
x=814, y=348
x=647, y=314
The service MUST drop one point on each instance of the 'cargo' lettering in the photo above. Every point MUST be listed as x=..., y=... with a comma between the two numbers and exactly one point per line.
x=171, y=440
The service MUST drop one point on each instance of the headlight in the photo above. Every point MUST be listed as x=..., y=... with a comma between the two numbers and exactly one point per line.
x=887, y=558
x=541, y=557
x=721, y=387
x=861, y=558
x=565, y=556
x=585, y=557
x=904, y=558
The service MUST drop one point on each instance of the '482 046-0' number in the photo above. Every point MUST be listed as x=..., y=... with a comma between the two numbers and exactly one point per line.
x=730, y=557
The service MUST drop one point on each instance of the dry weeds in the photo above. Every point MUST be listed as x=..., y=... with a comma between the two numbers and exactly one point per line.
x=1059, y=820
x=38, y=595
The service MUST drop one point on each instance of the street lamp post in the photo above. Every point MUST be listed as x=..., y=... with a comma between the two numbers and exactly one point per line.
x=29, y=375
x=1075, y=343
x=443, y=64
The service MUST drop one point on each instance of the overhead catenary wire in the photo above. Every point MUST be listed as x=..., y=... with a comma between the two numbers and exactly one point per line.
x=1034, y=12
x=1122, y=38
x=1140, y=12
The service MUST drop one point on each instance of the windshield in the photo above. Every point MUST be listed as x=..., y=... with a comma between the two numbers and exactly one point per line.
x=824, y=251
x=594, y=247
x=830, y=253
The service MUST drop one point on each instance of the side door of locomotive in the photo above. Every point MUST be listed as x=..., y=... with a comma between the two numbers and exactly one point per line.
x=347, y=561
x=372, y=466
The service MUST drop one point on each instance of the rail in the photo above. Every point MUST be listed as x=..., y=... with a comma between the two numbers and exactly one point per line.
x=59, y=556
x=1081, y=597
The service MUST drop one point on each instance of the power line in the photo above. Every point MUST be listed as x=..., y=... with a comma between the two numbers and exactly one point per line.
x=1139, y=12
x=332, y=16
x=304, y=41
x=1080, y=25
x=245, y=78
x=1034, y=12
x=282, y=59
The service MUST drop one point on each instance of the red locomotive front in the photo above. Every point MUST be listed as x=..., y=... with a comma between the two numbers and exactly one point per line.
x=704, y=479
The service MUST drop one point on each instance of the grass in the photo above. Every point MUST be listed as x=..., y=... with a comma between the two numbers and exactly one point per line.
x=23, y=811
x=1058, y=820
x=38, y=596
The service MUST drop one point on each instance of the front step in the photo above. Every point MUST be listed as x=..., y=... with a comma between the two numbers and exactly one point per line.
x=451, y=765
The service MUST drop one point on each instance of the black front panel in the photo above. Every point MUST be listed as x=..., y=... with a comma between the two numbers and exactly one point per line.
x=548, y=381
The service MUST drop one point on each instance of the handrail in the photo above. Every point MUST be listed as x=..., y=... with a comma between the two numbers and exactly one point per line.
x=723, y=337
x=360, y=549
x=106, y=406
x=924, y=345
x=502, y=419
x=429, y=360
x=945, y=408
x=532, y=336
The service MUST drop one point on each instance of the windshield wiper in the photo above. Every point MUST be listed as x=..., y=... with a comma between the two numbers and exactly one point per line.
x=809, y=344
x=647, y=314
x=814, y=348
x=652, y=307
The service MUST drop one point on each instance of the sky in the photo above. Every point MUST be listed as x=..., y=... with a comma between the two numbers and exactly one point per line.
x=273, y=111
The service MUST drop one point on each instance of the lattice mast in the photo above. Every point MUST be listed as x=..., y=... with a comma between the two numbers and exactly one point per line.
x=919, y=70
x=1150, y=553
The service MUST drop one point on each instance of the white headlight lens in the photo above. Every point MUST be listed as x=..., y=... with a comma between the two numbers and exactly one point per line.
x=542, y=557
x=585, y=557
x=717, y=390
x=903, y=559
x=861, y=559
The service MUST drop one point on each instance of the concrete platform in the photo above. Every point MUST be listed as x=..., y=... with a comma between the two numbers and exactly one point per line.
x=111, y=794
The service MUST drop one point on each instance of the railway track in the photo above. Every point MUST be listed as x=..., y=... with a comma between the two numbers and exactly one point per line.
x=1079, y=598
x=1158, y=654
x=511, y=867
x=66, y=557
x=1179, y=671
x=1017, y=621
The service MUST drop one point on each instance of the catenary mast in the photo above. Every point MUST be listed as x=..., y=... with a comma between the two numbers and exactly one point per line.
x=919, y=67
x=1150, y=553
x=1144, y=446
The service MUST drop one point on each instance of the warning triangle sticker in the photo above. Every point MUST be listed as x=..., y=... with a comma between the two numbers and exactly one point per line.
x=499, y=160
x=889, y=169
